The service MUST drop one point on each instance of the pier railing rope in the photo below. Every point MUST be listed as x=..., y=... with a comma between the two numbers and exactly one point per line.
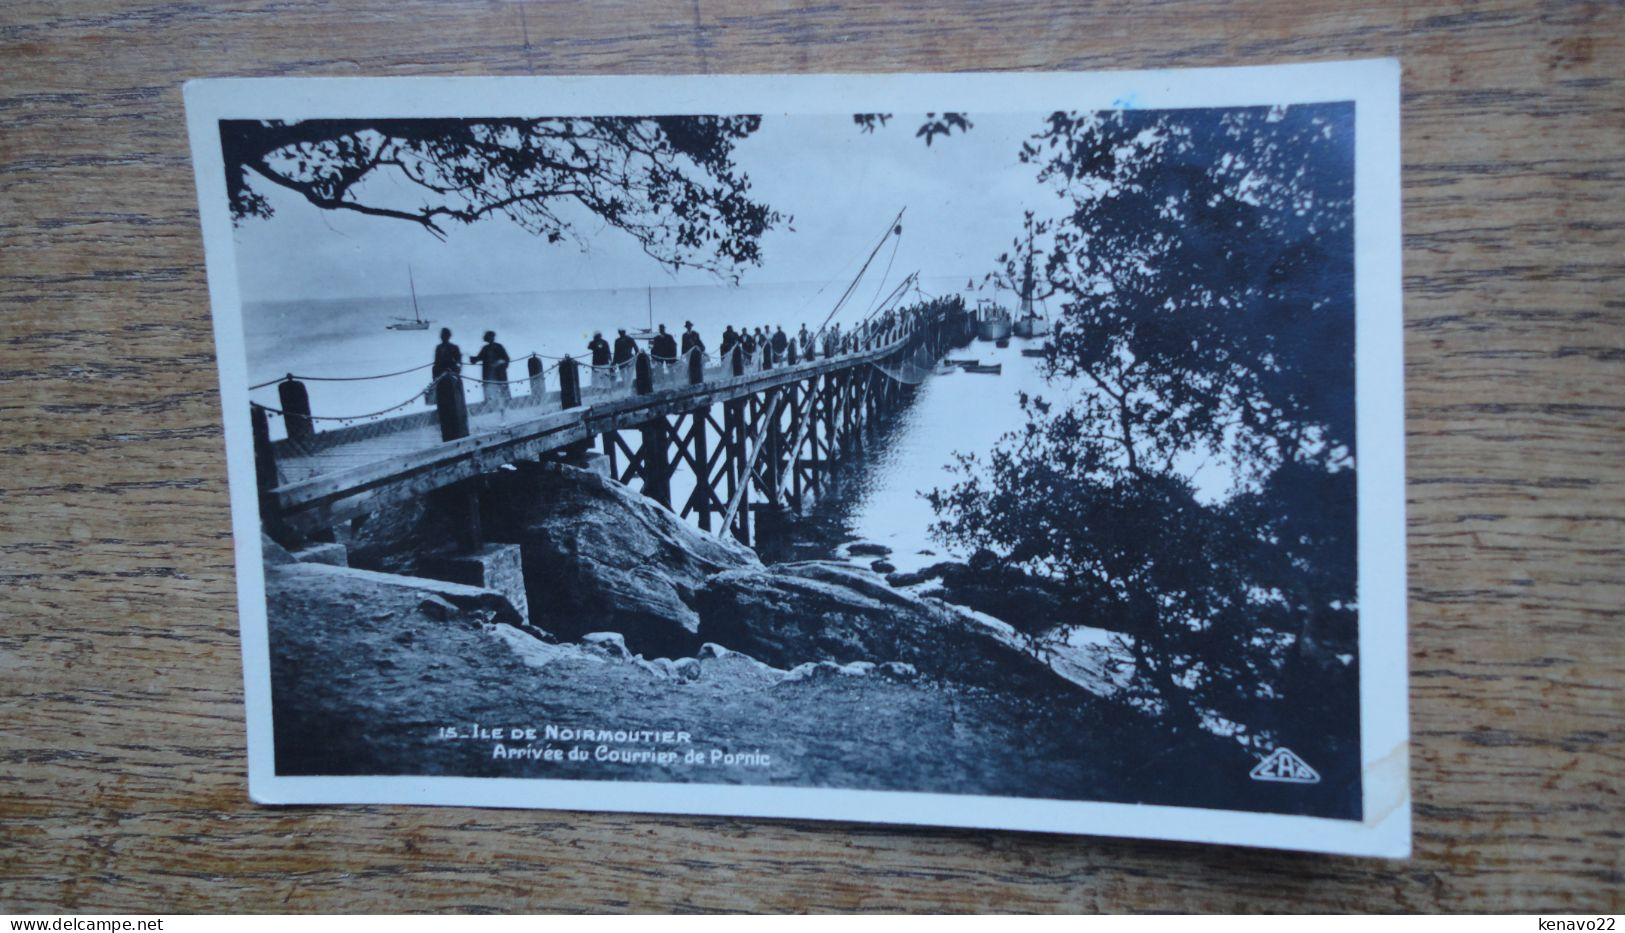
x=290, y=377
x=352, y=439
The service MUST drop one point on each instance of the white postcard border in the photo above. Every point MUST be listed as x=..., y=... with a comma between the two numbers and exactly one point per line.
x=1373, y=85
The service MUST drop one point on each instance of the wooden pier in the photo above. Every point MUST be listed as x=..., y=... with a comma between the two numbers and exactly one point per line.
x=754, y=433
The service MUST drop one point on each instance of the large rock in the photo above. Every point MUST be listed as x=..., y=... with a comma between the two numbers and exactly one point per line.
x=440, y=593
x=273, y=554
x=600, y=557
x=811, y=611
x=497, y=567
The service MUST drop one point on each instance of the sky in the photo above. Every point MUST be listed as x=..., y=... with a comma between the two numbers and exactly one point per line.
x=964, y=196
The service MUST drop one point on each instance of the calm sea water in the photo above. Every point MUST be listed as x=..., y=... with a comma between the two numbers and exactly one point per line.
x=880, y=494
x=881, y=497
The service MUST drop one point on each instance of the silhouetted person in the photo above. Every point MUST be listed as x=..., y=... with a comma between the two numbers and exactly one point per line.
x=729, y=340
x=625, y=349
x=747, y=343
x=663, y=347
x=599, y=348
x=448, y=357
x=804, y=340
x=691, y=340
x=781, y=342
x=493, y=360
x=448, y=363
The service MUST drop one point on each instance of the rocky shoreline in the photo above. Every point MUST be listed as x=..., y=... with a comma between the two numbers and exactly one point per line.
x=804, y=673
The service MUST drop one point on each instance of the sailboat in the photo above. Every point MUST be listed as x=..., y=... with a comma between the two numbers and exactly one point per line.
x=416, y=321
x=647, y=333
x=1029, y=323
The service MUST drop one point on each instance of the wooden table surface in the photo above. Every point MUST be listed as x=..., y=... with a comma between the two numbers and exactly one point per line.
x=121, y=747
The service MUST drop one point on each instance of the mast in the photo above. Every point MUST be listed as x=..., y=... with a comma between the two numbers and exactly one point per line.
x=895, y=228
x=416, y=316
x=1027, y=279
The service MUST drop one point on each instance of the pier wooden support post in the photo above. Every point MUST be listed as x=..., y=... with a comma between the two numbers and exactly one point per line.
x=831, y=438
x=609, y=451
x=452, y=406
x=458, y=508
x=696, y=367
x=812, y=436
x=797, y=395
x=701, y=499
x=295, y=399
x=775, y=450
x=643, y=377
x=570, y=397
x=728, y=467
x=265, y=472
x=264, y=453
x=464, y=501
x=569, y=383
x=655, y=460
x=860, y=408
x=738, y=469
x=738, y=361
x=790, y=353
x=538, y=384
x=849, y=396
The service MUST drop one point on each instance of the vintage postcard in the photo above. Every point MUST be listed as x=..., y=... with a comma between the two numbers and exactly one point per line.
x=1018, y=451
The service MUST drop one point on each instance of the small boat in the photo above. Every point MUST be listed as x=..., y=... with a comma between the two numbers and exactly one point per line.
x=1002, y=342
x=647, y=333
x=953, y=362
x=1039, y=352
x=992, y=370
x=416, y=321
x=1029, y=323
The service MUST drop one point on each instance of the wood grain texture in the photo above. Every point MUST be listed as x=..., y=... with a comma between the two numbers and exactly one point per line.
x=121, y=748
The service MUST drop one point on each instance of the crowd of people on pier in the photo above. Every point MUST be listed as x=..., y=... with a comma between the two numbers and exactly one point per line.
x=612, y=362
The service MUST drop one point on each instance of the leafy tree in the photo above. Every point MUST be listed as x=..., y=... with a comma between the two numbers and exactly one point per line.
x=932, y=127
x=669, y=182
x=1205, y=262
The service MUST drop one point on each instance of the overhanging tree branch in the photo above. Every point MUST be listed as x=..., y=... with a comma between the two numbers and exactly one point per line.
x=668, y=182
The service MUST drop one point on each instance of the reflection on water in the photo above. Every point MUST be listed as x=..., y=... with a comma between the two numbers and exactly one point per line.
x=880, y=496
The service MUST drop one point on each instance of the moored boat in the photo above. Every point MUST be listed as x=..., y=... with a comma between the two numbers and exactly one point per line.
x=416, y=321
x=1030, y=325
x=992, y=322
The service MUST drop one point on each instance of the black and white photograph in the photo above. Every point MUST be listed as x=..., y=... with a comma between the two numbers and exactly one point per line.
x=1004, y=451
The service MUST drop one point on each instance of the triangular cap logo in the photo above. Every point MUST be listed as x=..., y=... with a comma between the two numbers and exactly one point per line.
x=1283, y=765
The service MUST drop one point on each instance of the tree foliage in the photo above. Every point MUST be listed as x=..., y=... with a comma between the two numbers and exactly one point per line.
x=669, y=182
x=930, y=128
x=1204, y=259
